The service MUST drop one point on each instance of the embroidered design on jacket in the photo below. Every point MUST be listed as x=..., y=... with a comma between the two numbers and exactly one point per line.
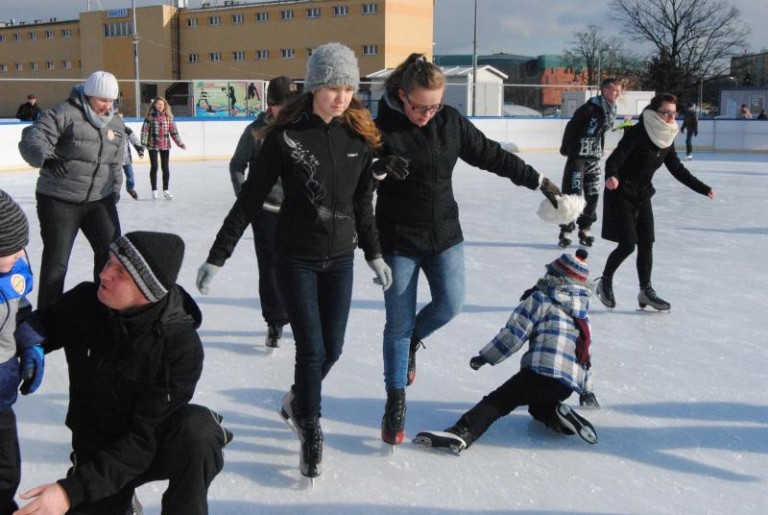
x=314, y=188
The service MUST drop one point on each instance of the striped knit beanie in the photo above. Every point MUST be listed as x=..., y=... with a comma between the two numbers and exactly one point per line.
x=14, y=228
x=152, y=258
x=573, y=267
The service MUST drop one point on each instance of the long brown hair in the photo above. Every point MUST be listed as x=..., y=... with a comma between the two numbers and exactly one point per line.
x=415, y=72
x=356, y=116
x=167, y=109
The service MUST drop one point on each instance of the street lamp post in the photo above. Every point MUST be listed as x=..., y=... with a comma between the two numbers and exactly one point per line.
x=136, y=85
x=474, y=65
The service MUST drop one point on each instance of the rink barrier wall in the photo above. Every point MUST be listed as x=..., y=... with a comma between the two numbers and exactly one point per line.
x=216, y=139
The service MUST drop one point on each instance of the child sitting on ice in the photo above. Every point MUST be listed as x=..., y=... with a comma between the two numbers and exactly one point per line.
x=552, y=317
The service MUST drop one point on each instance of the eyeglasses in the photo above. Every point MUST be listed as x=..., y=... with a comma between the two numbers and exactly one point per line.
x=420, y=109
x=667, y=113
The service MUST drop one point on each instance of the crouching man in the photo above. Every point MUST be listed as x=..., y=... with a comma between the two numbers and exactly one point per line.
x=134, y=359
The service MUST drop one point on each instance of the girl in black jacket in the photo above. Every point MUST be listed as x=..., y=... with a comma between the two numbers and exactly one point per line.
x=418, y=218
x=627, y=209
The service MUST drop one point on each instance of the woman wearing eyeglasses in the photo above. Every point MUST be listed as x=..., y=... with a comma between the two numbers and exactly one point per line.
x=627, y=209
x=418, y=217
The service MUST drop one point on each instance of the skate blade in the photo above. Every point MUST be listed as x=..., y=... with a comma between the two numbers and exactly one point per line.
x=653, y=310
x=576, y=424
x=428, y=443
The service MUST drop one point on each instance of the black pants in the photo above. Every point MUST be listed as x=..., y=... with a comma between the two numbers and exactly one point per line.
x=272, y=306
x=526, y=388
x=644, y=261
x=164, y=157
x=689, y=143
x=189, y=456
x=582, y=177
x=59, y=224
x=10, y=462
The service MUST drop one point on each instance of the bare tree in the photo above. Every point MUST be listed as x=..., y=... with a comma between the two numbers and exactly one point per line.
x=598, y=56
x=692, y=39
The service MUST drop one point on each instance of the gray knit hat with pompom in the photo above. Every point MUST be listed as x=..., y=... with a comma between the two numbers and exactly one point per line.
x=331, y=65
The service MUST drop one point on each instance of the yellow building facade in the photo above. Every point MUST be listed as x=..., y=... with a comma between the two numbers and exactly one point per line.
x=231, y=42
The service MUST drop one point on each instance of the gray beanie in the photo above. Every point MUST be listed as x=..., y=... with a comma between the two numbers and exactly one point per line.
x=330, y=65
x=14, y=228
x=101, y=85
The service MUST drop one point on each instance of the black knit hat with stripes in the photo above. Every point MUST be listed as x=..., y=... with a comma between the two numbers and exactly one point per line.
x=14, y=228
x=152, y=258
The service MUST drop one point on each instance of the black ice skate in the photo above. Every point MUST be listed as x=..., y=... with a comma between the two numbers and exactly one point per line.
x=648, y=297
x=415, y=344
x=575, y=423
x=286, y=411
x=447, y=440
x=586, y=238
x=604, y=292
x=311, y=456
x=564, y=239
x=393, y=422
x=274, y=333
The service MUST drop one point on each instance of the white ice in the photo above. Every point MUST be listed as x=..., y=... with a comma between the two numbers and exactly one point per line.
x=684, y=423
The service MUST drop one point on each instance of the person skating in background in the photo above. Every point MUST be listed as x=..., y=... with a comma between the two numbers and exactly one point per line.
x=583, y=145
x=690, y=123
x=553, y=318
x=134, y=359
x=21, y=359
x=156, y=134
x=264, y=225
x=321, y=147
x=418, y=216
x=762, y=115
x=744, y=112
x=627, y=209
x=29, y=111
x=130, y=178
x=78, y=146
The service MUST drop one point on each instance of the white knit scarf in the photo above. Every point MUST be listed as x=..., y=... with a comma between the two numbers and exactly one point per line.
x=661, y=132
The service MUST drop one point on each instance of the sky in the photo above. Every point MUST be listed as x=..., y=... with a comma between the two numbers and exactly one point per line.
x=683, y=427
x=523, y=27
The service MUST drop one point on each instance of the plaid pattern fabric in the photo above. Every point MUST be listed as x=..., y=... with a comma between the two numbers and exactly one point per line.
x=157, y=131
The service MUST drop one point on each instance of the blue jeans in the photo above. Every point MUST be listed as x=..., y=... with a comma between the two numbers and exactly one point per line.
x=59, y=224
x=130, y=180
x=317, y=296
x=445, y=275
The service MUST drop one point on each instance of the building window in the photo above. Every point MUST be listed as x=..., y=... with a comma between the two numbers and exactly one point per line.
x=340, y=10
x=286, y=14
x=309, y=51
x=238, y=18
x=262, y=16
x=66, y=64
x=214, y=57
x=191, y=22
x=118, y=29
x=33, y=36
x=50, y=65
x=262, y=55
x=34, y=67
x=238, y=55
x=16, y=37
x=288, y=53
x=370, y=49
x=2, y=38
x=3, y=68
x=48, y=34
x=193, y=58
x=18, y=67
x=214, y=20
x=66, y=33
x=371, y=8
x=313, y=12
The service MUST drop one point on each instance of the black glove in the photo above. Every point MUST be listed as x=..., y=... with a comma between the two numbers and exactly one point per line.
x=393, y=166
x=550, y=190
x=140, y=151
x=55, y=166
x=588, y=400
x=477, y=361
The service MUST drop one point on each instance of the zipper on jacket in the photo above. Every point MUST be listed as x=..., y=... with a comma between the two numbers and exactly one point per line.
x=96, y=171
x=334, y=201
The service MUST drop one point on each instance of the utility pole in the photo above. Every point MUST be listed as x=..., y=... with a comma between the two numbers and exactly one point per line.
x=136, y=84
x=474, y=66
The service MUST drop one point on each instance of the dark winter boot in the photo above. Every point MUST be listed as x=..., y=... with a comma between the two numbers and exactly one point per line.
x=605, y=292
x=415, y=344
x=393, y=422
x=311, y=460
x=274, y=333
x=564, y=239
x=648, y=297
x=573, y=423
x=586, y=238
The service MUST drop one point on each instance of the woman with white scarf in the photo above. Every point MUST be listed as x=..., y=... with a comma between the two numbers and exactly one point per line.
x=627, y=209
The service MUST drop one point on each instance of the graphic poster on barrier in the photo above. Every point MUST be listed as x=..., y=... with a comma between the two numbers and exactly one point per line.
x=227, y=99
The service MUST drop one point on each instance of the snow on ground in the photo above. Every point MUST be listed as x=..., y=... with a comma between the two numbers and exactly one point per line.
x=684, y=424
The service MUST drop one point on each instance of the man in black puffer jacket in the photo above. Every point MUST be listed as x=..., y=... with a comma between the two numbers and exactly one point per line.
x=134, y=360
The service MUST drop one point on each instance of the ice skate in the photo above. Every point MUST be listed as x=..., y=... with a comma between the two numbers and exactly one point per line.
x=311, y=455
x=415, y=344
x=167, y=195
x=575, y=423
x=586, y=238
x=648, y=297
x=454, y=439
x=154, y=194
x=564, y=239
x=393, y=422
x=689, y=157
x=274, y=334
x=286, y=412
x=133, y=194
x=604, y=292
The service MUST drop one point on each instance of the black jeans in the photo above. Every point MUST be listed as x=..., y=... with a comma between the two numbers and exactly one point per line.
x=582, y=177
x=164, y=157
x=318, y=295
x=189, y=456
x=272, y=306
x=526, y=388
x=10, y=461
x=59, y=224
